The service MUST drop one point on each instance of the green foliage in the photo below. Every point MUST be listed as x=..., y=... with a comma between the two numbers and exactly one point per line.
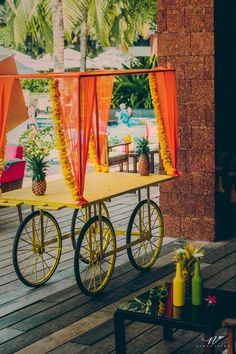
x=37, y=143
x=113, y=140
x=134, y=89
x=38, y=167
x=142, y=147
x=6, y=37
x=129, y=19
x=36, y=85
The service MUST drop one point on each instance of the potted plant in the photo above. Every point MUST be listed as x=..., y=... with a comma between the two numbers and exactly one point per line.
x=37, y=146
x=187, y=255
x=142, y=151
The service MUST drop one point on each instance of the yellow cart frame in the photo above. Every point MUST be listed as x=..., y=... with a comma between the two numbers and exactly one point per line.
x=38, y=243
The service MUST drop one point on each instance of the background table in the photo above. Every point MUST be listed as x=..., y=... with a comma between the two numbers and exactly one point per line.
x=134, y=156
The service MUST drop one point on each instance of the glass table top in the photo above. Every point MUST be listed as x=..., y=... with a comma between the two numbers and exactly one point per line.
x=158, y=302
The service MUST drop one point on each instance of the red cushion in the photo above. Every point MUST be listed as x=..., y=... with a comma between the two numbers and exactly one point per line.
x=14, y=172
x=14, y=151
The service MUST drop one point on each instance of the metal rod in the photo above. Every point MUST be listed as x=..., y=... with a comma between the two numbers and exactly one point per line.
x=87, y=73
x=41, y=228
x=139, y=195
x=149, y=211
x=100, y=227
x=124, y=247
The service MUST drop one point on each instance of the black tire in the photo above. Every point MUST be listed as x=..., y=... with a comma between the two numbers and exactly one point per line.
x=80, y=260
x=74, y=234
x=16, y=249
x=159, y=236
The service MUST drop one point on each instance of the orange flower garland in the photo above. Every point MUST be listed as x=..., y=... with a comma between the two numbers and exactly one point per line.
x=93, y=157
x=164, y=150
x=60, y=140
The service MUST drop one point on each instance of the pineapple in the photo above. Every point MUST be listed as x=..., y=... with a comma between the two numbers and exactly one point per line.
x=143, y=150
x=38, y=167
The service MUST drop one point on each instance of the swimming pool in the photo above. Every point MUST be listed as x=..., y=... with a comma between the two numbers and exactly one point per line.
x=137, y=128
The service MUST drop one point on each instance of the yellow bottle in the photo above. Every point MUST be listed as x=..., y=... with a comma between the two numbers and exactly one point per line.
x=178, y=287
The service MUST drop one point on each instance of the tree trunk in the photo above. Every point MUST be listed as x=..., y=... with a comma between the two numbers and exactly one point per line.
x=58, y=35
x=83, y=42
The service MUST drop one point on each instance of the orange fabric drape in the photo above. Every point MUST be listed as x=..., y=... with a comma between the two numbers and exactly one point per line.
x=6, y=85
x=77, y=102
x=102, y=104
x=166, y=86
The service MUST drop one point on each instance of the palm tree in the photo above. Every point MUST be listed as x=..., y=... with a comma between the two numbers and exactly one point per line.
x=58, y=35
x=92, y=20
x=116, y=22
x=129, y=19
x=47, y=21
x=39, y=16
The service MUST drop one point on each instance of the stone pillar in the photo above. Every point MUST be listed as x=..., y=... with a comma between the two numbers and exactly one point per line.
x=186, y=40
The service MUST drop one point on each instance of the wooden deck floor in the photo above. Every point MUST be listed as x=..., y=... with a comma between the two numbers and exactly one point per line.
x=57, y=318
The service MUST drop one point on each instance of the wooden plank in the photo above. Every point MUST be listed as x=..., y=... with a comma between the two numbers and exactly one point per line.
x=196, y=345
x=221, y=252
x=69, y=347
x=221, y=277
x=88, y=310
x=166, y=347
x=8, y=334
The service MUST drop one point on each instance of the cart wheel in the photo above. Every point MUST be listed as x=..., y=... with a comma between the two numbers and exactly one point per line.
x=34, y=260
x=81, y=216
x=93, y=276
x=144, y=254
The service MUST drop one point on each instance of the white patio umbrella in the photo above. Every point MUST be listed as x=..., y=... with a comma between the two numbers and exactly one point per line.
x=112, y=57
x=71, y=60
x=24, y=63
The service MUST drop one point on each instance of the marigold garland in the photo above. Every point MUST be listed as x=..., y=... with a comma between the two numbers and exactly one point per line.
x=164, y=150
x=93, y=157
x=60, y=140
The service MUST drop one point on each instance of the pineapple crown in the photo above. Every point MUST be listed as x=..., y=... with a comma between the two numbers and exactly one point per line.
x=143, y=146
x=38, y=167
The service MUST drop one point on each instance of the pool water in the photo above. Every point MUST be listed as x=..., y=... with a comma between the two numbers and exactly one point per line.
x=135, y=129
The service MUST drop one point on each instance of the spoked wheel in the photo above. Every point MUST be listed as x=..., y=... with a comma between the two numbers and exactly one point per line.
x=95, y=255
x=144, y=254
x=37, y=248
x=81, y=216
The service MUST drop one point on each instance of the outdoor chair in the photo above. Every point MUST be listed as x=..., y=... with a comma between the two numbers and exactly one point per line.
x=13, y=172
x=119, y=156
x=230, y=323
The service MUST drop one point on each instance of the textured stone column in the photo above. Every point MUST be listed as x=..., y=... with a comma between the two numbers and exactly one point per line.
x=186, y=40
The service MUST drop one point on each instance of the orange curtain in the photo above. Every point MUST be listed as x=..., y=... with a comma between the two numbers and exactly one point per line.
x=6, y=85
x=102, y=104
x=77, y=103
x=166, y=86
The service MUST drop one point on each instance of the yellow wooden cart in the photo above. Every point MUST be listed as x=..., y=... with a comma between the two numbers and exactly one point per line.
x=38, y=242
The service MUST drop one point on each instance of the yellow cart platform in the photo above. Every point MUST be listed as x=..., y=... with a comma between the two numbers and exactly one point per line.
x=38, y=242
